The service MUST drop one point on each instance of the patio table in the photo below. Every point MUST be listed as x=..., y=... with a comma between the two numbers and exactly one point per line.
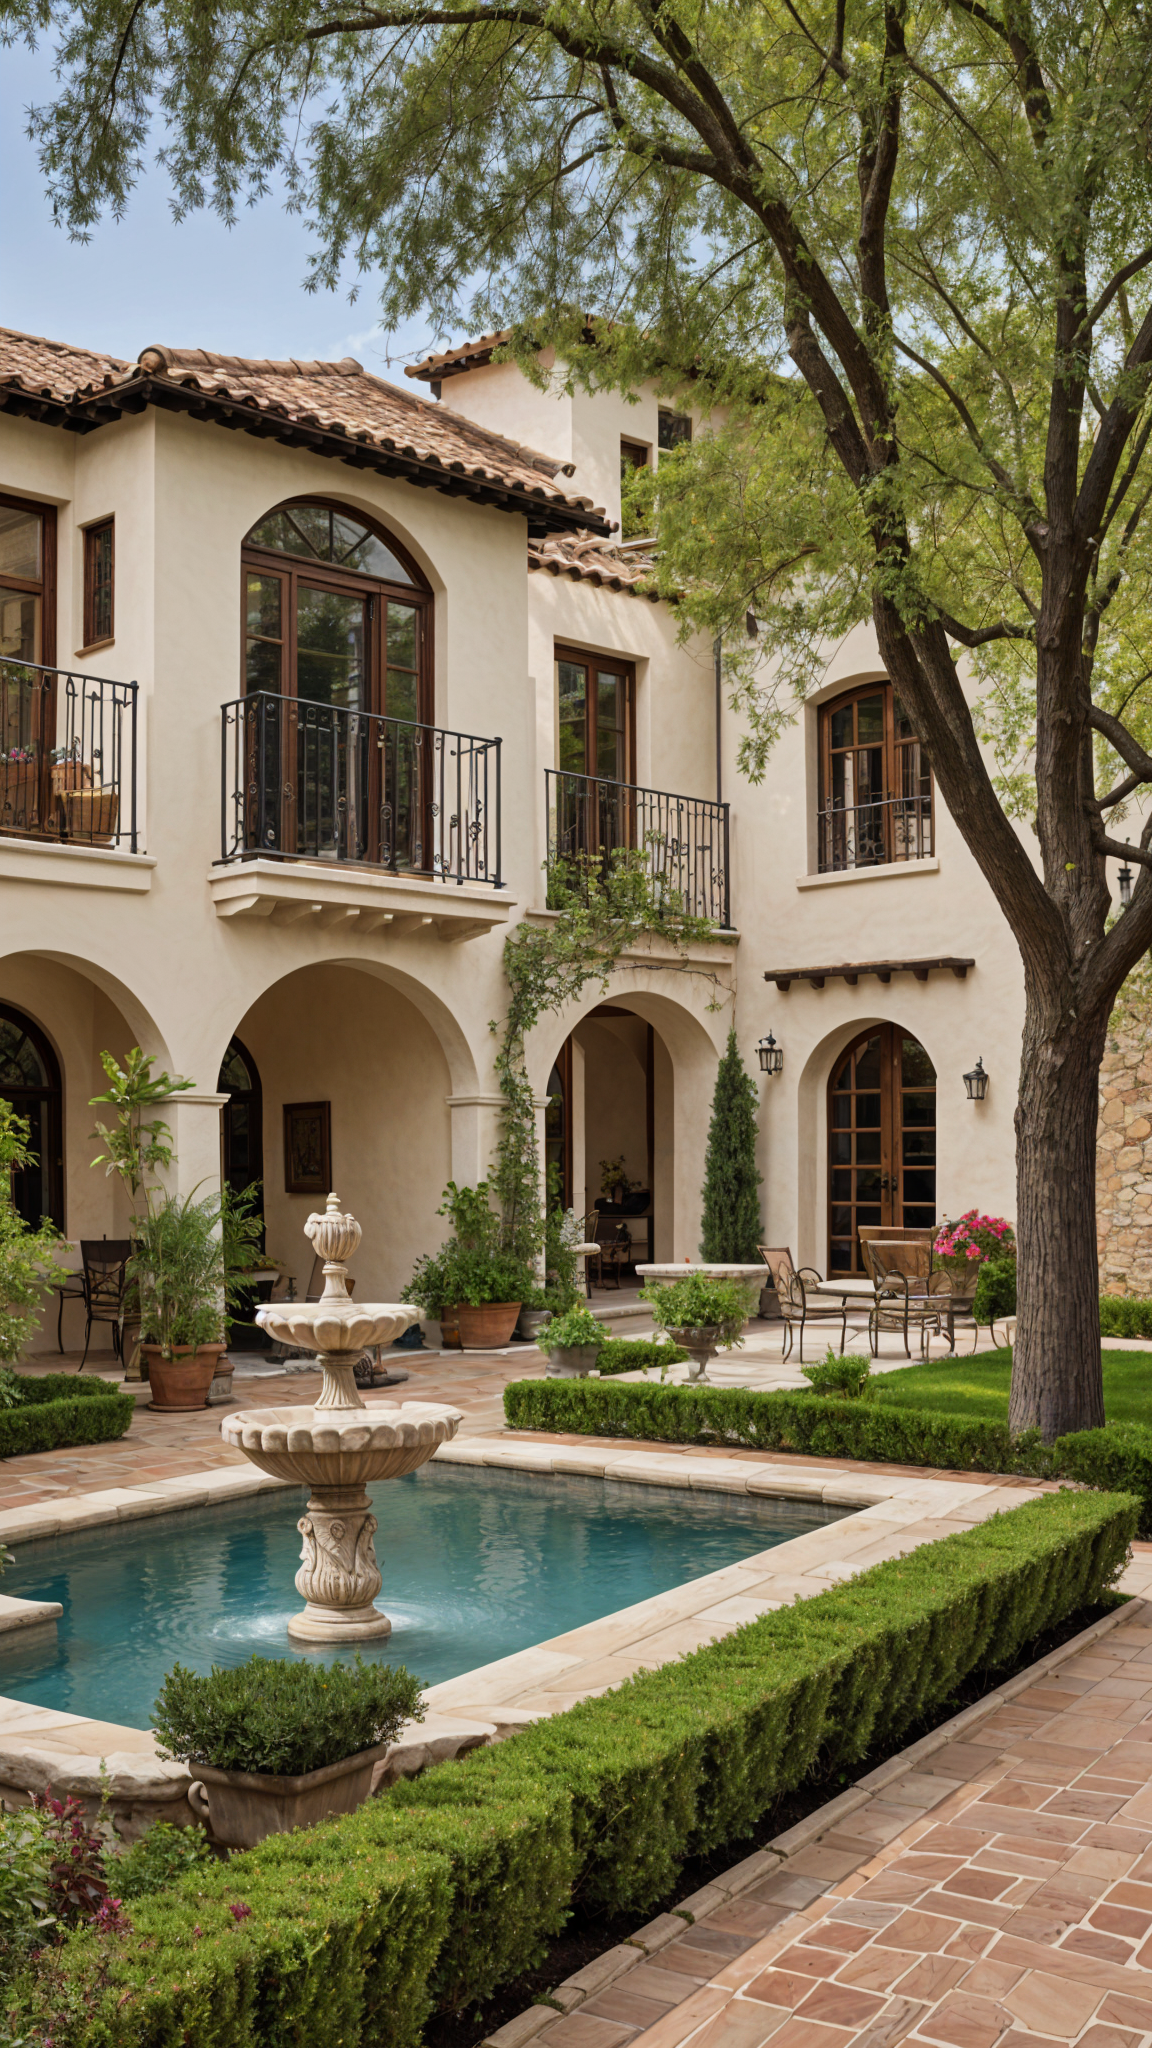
x=860, y=1288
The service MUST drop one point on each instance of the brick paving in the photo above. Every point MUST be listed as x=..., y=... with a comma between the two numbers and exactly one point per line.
x=997, y=1894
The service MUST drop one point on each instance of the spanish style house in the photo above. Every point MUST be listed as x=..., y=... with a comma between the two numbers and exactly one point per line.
x=304, y=678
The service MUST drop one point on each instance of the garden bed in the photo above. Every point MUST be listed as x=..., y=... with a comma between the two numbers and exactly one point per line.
x=454, y=1884
x=58, y=1409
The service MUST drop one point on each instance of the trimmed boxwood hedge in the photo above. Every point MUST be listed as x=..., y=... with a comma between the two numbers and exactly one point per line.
x=1125, y=1315
x=448, y=1885
x=825, y=1427
x=1120, y=1455
x=59, y=1408
x=633, y=1354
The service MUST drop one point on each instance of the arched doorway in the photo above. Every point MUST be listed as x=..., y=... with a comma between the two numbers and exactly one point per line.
x=30, y=1081
x=241, y=1119
x=881, y=1140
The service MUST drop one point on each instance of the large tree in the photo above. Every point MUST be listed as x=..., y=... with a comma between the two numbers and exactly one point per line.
x=907, y=243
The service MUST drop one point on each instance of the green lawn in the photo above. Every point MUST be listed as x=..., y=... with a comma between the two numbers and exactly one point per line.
x=979, y=1386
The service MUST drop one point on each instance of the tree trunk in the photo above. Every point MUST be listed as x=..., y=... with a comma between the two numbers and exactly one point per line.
x=1056, y=1370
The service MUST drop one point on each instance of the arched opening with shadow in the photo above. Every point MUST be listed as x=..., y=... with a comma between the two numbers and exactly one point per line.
x=30, y=1083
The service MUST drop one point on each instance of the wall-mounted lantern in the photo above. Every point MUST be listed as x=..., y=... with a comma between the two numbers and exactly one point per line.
x=976, y=1082
x=771, y=1055
x=1125, y=880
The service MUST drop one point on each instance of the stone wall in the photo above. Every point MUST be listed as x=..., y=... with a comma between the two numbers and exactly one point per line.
x=1124, y=1157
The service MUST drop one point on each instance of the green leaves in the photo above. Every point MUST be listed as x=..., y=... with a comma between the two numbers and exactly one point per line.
x=134, y=1149
x=283, y=1717
x=29, y=1259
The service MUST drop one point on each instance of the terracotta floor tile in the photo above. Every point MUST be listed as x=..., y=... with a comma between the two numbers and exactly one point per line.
x=978, y=1884
x=748, y=1916
x=965, y=2022
x=876, y=1969
x=988, y=1979
x=740, y=2025
x=918, y=1863
x=971, y=1942
x=931, y=1977
x=958, y=1839
x=665, y=1986
x=796, y=2033
x=1052, y=2005
x=618, y=2003
x=580, y=2030
x=835, y=1934
x=1108, y=2037
x=684, y=2019
x=1120, y=2009
x=842, y=2005
x=985, y=1912
x=925, y=1931
x=1044, y=1928
x=781, y=1987
x=1104, y=1863
x=1082, y=1941
x=1114, y=1919
x=1092, y=1805
x=810, y=1960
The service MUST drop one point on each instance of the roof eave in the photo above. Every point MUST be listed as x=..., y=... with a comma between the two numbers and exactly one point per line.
x=85, y=412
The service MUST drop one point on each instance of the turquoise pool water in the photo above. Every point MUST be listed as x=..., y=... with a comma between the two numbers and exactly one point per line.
x=477, y=1563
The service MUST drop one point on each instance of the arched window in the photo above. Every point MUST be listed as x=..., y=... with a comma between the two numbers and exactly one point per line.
x=881, y=1141
x=241, y=1119
x=335, y=613
x=875, y=782
x=30, y=1081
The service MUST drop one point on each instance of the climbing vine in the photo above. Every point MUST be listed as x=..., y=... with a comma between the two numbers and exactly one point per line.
x=603, y=908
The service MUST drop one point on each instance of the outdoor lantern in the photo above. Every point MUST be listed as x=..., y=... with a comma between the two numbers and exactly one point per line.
x=976, y=1082
x=1125, y=880
x=771, y=1055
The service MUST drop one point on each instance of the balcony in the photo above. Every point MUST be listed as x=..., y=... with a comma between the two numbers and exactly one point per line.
x=684, y=839
x=67, y=759
x=365, y=822
x=872, y=835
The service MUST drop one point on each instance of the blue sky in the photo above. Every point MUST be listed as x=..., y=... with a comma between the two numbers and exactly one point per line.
x=145, y=279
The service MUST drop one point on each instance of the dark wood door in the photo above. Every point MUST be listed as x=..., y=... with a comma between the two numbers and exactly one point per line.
x=881, y=1141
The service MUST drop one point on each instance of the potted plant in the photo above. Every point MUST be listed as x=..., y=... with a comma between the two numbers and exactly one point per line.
x=177, y=1267
x=965, y=1247
x=133, y=1149
x=473, y=1279
x=280, y=1743
x=701, y=1314
x=573, y=1342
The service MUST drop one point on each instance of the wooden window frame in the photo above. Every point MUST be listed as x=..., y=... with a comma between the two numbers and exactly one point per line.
x=609, y=664
x=294, y=569
x=45, y=586
x=634, y=454
x=678, y=432
x=91, y=532
x=892, y=746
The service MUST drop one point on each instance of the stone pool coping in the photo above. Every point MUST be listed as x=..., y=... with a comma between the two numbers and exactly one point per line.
x=896, y=1513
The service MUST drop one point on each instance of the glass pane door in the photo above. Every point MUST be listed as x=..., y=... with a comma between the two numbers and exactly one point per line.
x=332, y=738
x=881, y=1142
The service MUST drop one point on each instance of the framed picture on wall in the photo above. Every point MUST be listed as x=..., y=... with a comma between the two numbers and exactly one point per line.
x=307, y=1148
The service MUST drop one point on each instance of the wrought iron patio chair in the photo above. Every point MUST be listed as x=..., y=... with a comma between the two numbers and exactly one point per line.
x=105, y=1259
x=901, y=1307
x=798, y=1290
x=71, y=1289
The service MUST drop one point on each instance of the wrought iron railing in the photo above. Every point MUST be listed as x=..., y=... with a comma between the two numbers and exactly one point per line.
x=308, y=781
x=684, y=839
x=875, y=834
x=67, y=757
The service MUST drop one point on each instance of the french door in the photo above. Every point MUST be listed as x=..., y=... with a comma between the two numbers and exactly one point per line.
x=597, y=711
x=881, y=1141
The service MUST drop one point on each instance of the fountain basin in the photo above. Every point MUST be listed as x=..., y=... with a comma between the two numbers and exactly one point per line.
x=342, y=1446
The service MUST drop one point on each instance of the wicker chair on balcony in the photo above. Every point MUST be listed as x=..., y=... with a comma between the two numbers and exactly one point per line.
x=798, y=1293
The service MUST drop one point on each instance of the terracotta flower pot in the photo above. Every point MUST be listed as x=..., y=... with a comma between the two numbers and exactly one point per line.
x=241, y=1807
x=572, y=1361
x=488, y=1327
x=182, y=1381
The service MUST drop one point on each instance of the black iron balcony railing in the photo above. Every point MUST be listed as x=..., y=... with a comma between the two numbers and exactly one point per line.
x=309, y=781
x=67, y=757
x=875, y=834
x=684, y=839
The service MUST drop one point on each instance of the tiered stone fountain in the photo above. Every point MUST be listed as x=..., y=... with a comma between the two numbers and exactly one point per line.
x=339, y=1446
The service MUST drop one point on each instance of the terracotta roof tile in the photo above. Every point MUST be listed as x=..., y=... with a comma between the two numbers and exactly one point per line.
x=341, y=400
x=465, y=355
x=628, y=567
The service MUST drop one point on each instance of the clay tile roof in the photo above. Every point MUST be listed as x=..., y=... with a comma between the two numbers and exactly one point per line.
x=339, y=408
x=465, y=355
x=628, y=567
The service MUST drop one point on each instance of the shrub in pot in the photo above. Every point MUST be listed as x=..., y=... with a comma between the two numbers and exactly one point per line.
x=28, y=1258
x=178, y=1269
x=280, y=1743
x=474, y=1280
x=573, y=1342
x=700, y=1313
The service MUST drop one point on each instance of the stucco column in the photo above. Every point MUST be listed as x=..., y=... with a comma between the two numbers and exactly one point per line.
x=194, y=1121
x=475, y=1133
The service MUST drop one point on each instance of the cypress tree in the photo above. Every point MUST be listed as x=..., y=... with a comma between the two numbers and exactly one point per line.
x=731, y=1225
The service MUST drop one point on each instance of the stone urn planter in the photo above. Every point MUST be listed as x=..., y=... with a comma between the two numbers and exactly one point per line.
x=529, y=1321
x=489, y=1327
x=221, y=1388
x=701, y=1344
x=182, y=1381
x=240, y=1808
x=572, y=1361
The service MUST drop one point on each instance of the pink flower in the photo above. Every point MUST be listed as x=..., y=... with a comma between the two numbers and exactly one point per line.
x=973, y=1252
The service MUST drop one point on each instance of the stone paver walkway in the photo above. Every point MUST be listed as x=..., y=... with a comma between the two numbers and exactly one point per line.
x=993, y=1892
